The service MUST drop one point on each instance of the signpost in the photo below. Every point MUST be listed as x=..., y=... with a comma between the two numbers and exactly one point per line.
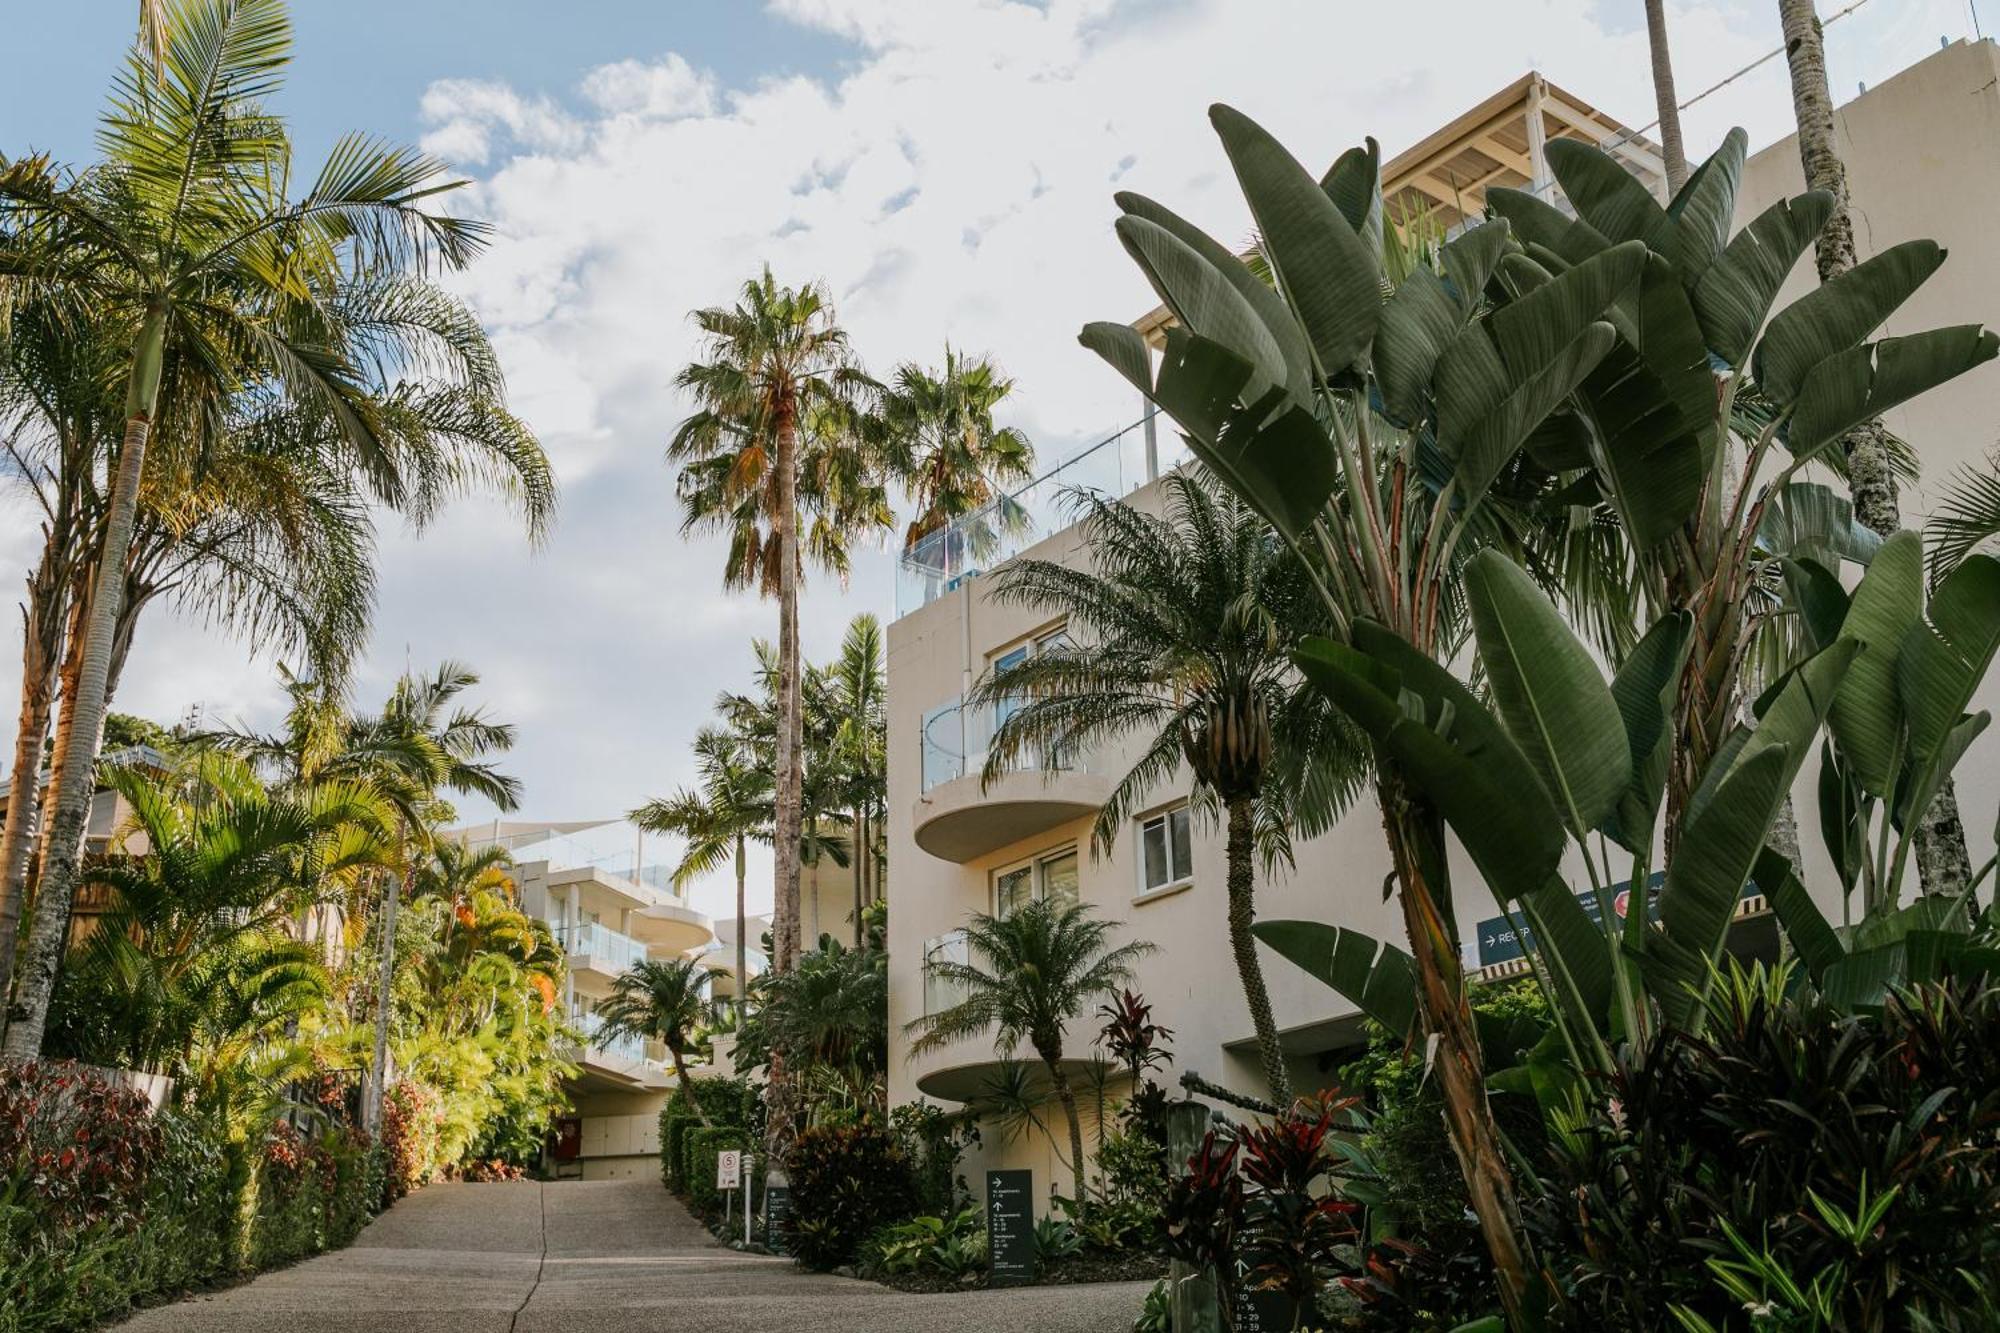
x=777, y=1216
x=728, y=1177
x=1260, y=1311
x=1499, y=943
x=1010, y=1227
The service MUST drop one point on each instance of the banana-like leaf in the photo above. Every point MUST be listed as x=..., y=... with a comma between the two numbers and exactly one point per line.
x=1205, y=301
x=1493, y=436
x=1735, y=294
x=1418, y=322
x=1843, y=826
x=1651, y=405
x=1576, y=953
x=1944, y=659
x=1468, y=259
x=1922, y=781
x=1608, y=197
x=1867, y=716
x=1329, y=277
x=1123, y=348
x=1548, y=690
x=1354, y=183
x=1260, y=295
x=1645, y=689
x=1702, y=211
x=1815, y=942
x=1712, y=862
x=1861, y=980
x=1835, y=316
x=1374, y=976
x=1820, y=601
x=1808, y=521
x=1538, y=223
x=1863, y=382
x=1792, y=711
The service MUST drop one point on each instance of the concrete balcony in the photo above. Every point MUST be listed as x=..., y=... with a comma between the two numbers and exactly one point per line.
x=959, y=817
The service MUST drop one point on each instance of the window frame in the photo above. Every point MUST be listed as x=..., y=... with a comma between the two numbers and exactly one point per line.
x=1163, y=815
x=1035, y=864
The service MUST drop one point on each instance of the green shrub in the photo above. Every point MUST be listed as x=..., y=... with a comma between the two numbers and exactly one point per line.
x=699, y=1147
x=846, y=1182
x=728, y=1102
x=949, y=1246
x=935, y=1141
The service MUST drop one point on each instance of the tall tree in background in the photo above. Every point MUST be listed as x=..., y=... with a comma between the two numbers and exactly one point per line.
x=183, y=241
x=1944, y=863
x=856, y=686
x=1671, y=150
x=944, y=444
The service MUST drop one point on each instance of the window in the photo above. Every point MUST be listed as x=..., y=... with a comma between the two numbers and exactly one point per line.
x=1046, y=877
x=1001, y=663
x=939, y=993
x=1167, y=854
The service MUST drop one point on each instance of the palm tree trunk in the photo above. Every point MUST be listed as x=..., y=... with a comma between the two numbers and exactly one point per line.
x=1671, y=151
x=76, y=784
x=687, y=1087
x=789, y=778
x=1417, y=848
x=41, y=647
x=1242, y=915
x=742, y=945
x=1943, y=863
x=1052, y=1057
x=385, y=1000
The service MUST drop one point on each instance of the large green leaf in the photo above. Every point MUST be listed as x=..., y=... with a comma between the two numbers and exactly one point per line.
x=1418, y=322
x=1549, y=692
x=1329, y=277
x=1736, y=292
x=1792, y=711
x=1574, y=949
x=1608, y=197
x=1493, y=434
x=1536, y=222
x=1204, y=300
x=1705, y=207
x=1815, y=942
x=1712, y=861
x=1123, y=349
x=1867, y=716
x=1468, y=259
x=1374, y=976
x=1260, y=295
x=1862, y=383
x=1821, y=603
x=1809, y=521
x=1645, y=688
x=1837, y=315
x=1944, y=659
x=1354, y=183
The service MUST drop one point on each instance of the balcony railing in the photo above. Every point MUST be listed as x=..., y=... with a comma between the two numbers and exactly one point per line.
x=958, y=736
x=622, y=1048
x=969, y=546
x=603, y=945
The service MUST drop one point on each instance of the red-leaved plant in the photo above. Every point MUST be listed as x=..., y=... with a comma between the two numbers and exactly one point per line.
x=84, y=1145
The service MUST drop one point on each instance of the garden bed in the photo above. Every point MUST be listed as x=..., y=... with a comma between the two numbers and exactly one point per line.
x=1078, y=1270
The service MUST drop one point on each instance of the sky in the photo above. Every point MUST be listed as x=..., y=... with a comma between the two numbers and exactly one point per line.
x=946, y=167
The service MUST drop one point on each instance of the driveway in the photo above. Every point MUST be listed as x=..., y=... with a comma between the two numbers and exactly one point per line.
x=578, y=1257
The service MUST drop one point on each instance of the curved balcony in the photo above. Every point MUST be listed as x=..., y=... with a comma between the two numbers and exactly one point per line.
x=960, y=818
x=971, y=1070
x=671, y=928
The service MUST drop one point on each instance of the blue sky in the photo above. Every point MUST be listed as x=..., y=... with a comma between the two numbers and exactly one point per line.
x=945, y=166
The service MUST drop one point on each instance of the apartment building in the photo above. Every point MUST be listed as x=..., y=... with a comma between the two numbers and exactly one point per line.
x=1921, y=149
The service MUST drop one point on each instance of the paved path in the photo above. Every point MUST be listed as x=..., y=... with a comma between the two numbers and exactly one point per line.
x=594, y=1257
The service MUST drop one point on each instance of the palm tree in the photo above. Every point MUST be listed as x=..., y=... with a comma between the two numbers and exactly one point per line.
x=730, y=808
x=832, y=1013
x=660, y=999
x=861, y=745
x=775, y=438
x=1671, y=151
x=183, y=241
x=944, y=445
x=1181, y=634
x=1025, y=978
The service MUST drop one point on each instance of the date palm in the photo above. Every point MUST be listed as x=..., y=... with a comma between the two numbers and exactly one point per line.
x=1181, y=634
x=1024, y=979
x=660, y=999
x=944, y=445
x=183, y=242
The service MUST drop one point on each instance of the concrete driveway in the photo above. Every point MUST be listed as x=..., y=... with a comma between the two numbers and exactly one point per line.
x=579, y=1257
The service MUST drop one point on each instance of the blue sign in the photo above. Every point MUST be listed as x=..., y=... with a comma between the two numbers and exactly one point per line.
x=1499, y=942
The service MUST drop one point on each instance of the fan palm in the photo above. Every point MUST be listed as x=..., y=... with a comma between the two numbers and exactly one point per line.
x=775, y=440
x=1181, y=634
x=943, y=443
x=660, y=999
x=730, y=808
x=183, y=242
x=1025, y=977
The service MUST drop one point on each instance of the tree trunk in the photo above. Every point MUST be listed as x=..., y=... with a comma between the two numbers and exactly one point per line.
x=1052, y=1057
x=789, y=778
x=1242, y=915
x=1416, y=846
x=1671, y=151
x=385, y=1000
x=742, y=945
x=41, y=647
x=687, y=1088
x=76, y=784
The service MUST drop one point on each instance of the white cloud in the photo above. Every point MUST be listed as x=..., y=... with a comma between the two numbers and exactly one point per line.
x=953, y=183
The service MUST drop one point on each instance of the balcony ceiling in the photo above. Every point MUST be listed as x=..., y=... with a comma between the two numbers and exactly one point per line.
x=671, y=928
x=957, y=821
x=969, y=1080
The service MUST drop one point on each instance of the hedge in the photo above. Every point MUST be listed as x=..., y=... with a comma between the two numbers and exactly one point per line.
x=729, y=1102
x=698, y=1150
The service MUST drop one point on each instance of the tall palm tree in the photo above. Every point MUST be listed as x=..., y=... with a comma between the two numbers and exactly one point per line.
x=775, y=439
x=660, y=999
x=183, y=239
x=1944, y=863
x=861, y=744
x=1025, y=977
x=1181, y=633
x=1671, y=150
x=728, y=809
x=943, y=443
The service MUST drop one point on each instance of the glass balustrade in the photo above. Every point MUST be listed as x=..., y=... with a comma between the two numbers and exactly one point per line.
x=602, y=945
x=623, y=1048
x=957, y=737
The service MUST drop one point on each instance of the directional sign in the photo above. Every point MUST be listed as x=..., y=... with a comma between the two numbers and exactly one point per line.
x=1499, y=943
x=1010, y=1227
x=728, y=1169
x=777, y=1217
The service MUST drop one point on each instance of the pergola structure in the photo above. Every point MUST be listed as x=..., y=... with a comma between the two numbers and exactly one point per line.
x=1501, y=142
